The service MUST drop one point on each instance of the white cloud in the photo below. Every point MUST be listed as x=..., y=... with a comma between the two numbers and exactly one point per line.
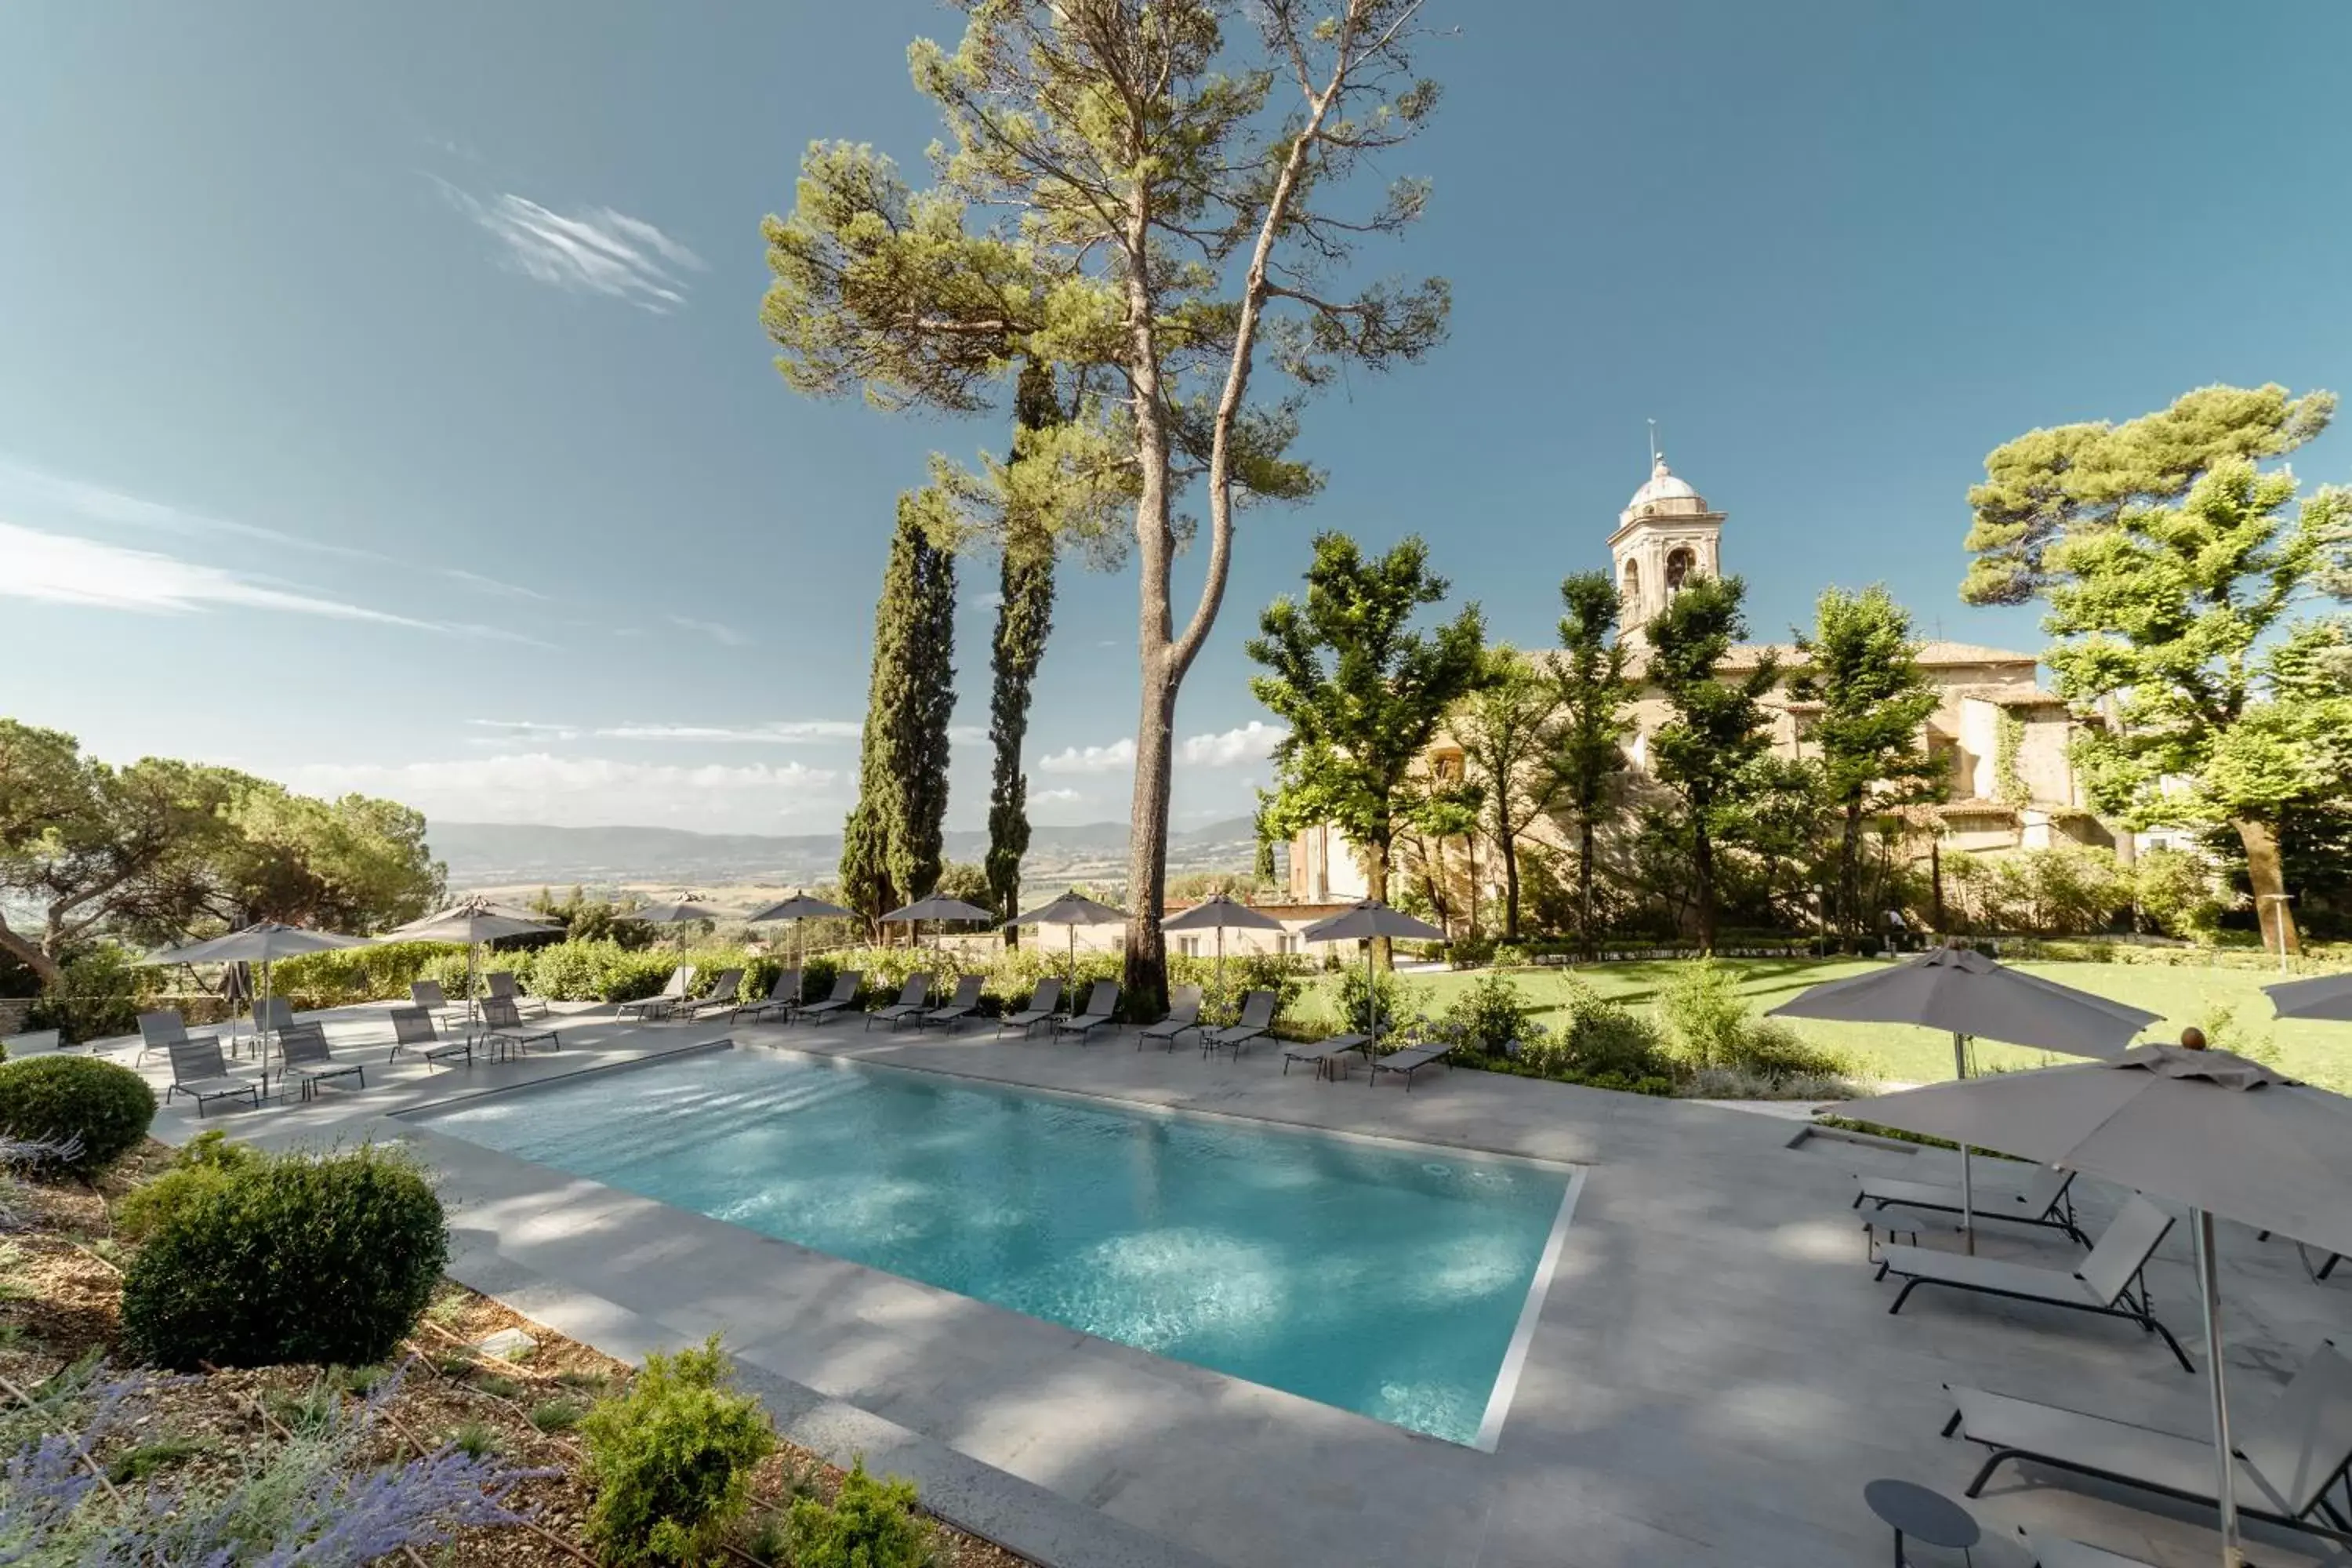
x=967, y=734
x=520, y=729
x=1058, y=797
x=1114, y=758
x=718, y=632
x=593, y=251
x=794, y=732
x=36, y=490
x=1251, y=742
x=491, y=585
x=580, y=791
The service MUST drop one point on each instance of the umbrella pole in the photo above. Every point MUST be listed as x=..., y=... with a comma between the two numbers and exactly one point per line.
x=1968, y=1171
x=2208, y=1301
x=1220, y=986
x=1372, y=993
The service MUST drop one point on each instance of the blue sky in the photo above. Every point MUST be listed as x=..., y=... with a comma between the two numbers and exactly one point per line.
x=383, y=403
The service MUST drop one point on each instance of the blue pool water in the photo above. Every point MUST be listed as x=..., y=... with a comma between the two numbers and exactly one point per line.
x=1381, y=1278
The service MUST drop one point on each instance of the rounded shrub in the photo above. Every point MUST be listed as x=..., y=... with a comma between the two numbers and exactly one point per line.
x=57, y=1097
x=290, y=1257
x=672, y=1460
x=868, y=1524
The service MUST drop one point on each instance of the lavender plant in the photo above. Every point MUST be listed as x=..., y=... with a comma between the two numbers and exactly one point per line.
x=19, y=1156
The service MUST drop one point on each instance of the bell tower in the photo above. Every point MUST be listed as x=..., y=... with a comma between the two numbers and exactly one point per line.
x=1664, y=535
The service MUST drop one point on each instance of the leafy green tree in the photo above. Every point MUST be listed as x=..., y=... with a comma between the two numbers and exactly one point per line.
x=1707, y=752
x=2224, y=712
x=1158, y=215
x=1592, y=696
x=2048, y=484
x=1860, y=662
x=1362, y=692
x=1439, y=812
x=1504, y=729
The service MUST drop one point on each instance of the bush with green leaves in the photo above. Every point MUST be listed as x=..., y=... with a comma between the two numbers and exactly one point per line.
x=100, y=996
x=1712, y=1026
x=205, y=1161
x=1601, y=1038
x=1490, y=1013
x=1398, y=1002
x=104, y=1106
x=868, y=1524
x=2178, y=893
x=672, y=1460
x=294, y=1257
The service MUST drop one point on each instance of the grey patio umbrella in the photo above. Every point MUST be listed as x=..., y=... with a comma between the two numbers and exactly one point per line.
x=1967, y=994
x=2326, y=997
x=1368, y=919
x=936, y=908
x=263, y=944
x=681, y=911
x=1221, y=913
x=1072, y=909
x=800, y=906
x=474, y=921
x=2213, y=1131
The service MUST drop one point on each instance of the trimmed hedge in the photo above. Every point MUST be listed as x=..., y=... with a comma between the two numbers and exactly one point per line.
x=293, y=1258
x=54, y=1097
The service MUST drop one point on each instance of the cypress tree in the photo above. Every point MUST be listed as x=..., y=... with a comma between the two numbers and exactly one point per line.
x=1024, y=618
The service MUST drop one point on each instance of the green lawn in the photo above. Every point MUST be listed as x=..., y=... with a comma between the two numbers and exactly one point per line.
x=2321, y=1052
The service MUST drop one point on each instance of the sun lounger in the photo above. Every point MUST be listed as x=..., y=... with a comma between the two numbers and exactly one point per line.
x=784, y=996
x=504, y=1033
x=1409, y=1061
x=1328, y=1056
x=2103, y=1284
x=502, y=986
x=724, y=996
x=428, y=995
x=1101, y=1010
x=913, y=998
x=1184, y=1012
x=1257, y=1018
x=2289, y=1454
x=163, y=1031
x=2056, y=1552
x=960, y=1006
x=1042, y=1004
x=302, y=1053
x=844, y=997
x=39, y=1043
x=411, y=1029
x=198, y=1071
x=659, y=1005
x=2046, y=1201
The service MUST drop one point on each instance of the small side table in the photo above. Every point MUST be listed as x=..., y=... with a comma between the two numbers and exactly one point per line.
x=1924, y=1515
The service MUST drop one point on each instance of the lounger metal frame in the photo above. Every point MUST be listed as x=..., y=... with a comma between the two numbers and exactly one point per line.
x=2058, y=1215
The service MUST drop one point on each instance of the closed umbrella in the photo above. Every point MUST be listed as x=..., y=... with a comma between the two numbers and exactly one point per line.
x=1367, y=921
x=473, y=923
x=800, y=906
x=1969, y=995
x=2213, y=1131
x=262, y=943
x=2326, y=997
x=1221, y=914
x=936, y=908
x=1072, y=909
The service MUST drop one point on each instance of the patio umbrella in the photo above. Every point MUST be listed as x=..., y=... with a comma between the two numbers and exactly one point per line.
x=1967, y=994
x=1221, y=914
x=681, y=911
x=263, y=944
x=1367, y=921
x=1072, y=909
x=800, y=906
x=2213, y=1131
x=936, y=908
x=473, y=923
x=2326, y=997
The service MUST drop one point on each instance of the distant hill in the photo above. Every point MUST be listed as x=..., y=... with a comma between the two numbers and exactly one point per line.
x=508, y=854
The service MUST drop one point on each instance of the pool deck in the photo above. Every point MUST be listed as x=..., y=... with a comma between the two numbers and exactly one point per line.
x=1712, y=1377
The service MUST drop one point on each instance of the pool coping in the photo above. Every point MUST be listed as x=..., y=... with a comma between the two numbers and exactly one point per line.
x=1514, y=1355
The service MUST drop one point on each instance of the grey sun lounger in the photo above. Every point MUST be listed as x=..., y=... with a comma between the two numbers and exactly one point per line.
x=428, y=995
x=724, y=996
x=198, y=1072
x=844, y=997
x=302, y=1053
x=1184, y=1012
x=964, y=1004
x=784, y=996
x=2289, y=1455
x=2103, y=1284
x=1409, y=1061
x=161, y=1031
x=2046, y=1201
x=1257, y=1018
x=913, y=998
x=1101, y=1011
x=1329, y=1057
x=504, y=1032
x=660, y=1002
x=1042, y=1005
x=411, y=1029
x=502, y=986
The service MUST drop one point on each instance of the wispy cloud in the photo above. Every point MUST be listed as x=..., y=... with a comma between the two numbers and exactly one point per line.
x=535, y=786
x=595, y=250
x=718, y=632
x=526, y=727
x=1058, y=797
x=794, y=732
x=39, y=492
x=491, y=585
x=1248, y=743
x=1114, y=758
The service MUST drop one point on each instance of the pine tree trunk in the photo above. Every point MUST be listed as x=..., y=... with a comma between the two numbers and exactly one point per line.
x=2266, y=877
x=1024, y=618
x=1145, y=973
x=32, y=956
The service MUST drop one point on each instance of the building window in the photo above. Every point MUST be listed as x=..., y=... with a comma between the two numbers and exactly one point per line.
x=1189, y=946
x=1680, y=564
x=1630, y=587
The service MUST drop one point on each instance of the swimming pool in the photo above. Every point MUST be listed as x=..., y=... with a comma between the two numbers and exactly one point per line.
x=1381, y=1278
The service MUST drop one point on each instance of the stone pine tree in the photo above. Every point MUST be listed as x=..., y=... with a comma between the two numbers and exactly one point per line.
x=2049, y=483
x=1705, y=753
x=1362, y=692
x=1024, y=618
x=1860, y=662
x=2226, y=712
x=1592, y=698
x=1165, y=188
x=1504, y=728
x=892, y=844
